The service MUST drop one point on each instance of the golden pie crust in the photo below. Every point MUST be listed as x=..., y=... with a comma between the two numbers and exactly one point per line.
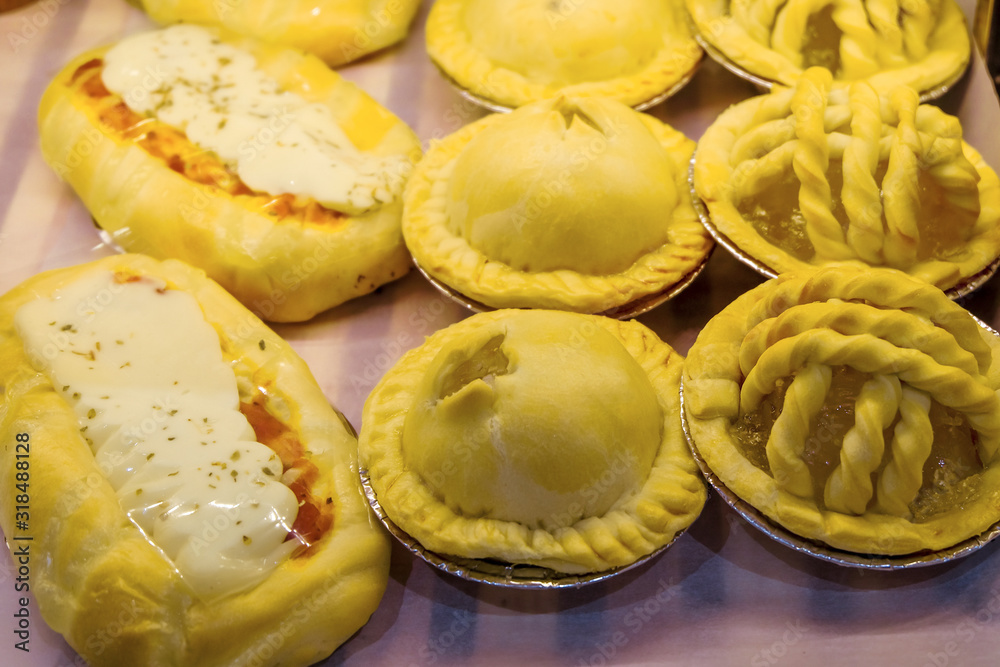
x=336, y=31
x=512, y=52
x=923, y=44
x=814, y=175
x=534, y=437
x=854, y=407
x=569, y=204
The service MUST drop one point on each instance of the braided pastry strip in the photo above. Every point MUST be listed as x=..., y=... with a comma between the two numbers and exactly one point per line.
x=912, y=438
x=900, y=190
x=787, y=439
x=901, y=328
x=849, y=488
x=883, y=288
x=811, y=161
x=947, y=385
x=863, y=201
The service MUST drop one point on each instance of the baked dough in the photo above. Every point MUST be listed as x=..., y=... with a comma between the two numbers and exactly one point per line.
x=534, y=437
x=337, y=31
x=814, y=175
x=100, y=583
x=510, y=53
x=516, y=210
x=854, y=407
x=155, y=192
x=923, y=44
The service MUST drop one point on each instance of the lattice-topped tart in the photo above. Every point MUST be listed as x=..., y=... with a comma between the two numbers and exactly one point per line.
x=507, y=53
x=923, y=44
x=811, y=175
x=572, y=204
x=854, y=407
x=534, y=437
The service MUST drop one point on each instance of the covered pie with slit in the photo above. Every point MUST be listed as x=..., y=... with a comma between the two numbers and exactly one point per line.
x=571, y=203
x=534, y=437
x=509, y=53
x=814, y=175
x=853, y=407
x=923, y=44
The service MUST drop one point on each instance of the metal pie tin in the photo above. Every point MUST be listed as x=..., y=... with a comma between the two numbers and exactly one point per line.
x=962, y=289
x=495, y=572
x=765, y=84
x=626, y=311
x=492, y=105
x=820, y=550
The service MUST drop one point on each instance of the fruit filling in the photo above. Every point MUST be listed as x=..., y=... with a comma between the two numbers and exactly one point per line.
x=950, y=473
x=821, y=46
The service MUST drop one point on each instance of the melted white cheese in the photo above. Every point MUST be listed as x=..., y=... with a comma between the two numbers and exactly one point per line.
x=159, y=406
x=276, y=141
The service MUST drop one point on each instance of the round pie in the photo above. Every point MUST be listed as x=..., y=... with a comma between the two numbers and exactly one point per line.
x=814, y=175
x=570, y=204
x=507, y=53
x=534, y=437
x=923, y=44
x=854, y=407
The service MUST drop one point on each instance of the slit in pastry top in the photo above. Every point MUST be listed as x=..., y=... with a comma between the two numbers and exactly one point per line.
x=159, y=406
x=274, y=140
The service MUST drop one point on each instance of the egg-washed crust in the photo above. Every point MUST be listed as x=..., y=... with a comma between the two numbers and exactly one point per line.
x=948, y=44
x=112, y=594
x=638, y=524
x=285, y=270
x=336, y=31
x=711, y=384
x=716, y=170
x=452, y=50
x=452, y=260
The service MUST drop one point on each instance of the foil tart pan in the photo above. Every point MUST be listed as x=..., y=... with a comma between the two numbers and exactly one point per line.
x=626, y=311
x=495, y=572
x=964, y=288
x=765, y=85
x=492, y=105
x=822, y=551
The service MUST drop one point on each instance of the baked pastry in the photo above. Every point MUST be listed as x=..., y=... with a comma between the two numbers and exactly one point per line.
x=516, y=210
x=258, y=164
x=812, y=175
x=534, y=437
x=509, y=53
x=923, y=44
x=186, y=491
x=337, y=31
x=854, y=407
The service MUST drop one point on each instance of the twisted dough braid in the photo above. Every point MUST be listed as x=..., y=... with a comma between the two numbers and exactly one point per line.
x=849, y=487
x=911, y=446
x=811, y=161
x=877, y=287
x=787, y=440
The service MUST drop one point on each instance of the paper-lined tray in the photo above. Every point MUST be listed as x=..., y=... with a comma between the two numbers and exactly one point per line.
x=723, y=594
